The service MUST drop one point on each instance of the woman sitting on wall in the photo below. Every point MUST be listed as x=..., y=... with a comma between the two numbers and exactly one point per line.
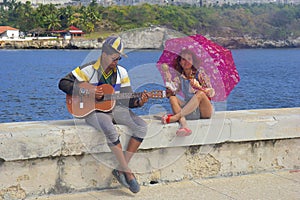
x=196, y=88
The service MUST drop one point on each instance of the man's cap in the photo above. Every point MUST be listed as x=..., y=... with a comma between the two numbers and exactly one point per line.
x=116, y=43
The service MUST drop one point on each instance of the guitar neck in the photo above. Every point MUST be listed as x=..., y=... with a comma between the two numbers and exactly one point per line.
x=117, y=96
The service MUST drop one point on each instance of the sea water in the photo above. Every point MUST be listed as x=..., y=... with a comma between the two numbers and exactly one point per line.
x=29, y=81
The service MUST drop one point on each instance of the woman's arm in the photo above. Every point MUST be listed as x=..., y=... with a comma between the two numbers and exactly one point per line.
x=204, y=79
x=205, y=84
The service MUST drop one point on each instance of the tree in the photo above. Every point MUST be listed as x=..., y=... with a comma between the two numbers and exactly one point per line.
x=263, y=20
x=47, y=16
x=66, y=16
x=25, y=17
x=52, y=21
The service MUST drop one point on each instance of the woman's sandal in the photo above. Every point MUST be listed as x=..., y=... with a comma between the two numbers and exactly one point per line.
x=165, y=119
x=182, y=132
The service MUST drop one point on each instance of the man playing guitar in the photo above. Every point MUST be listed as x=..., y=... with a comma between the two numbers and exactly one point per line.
x=88, y=81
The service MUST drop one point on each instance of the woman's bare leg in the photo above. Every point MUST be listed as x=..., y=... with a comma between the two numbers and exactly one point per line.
x=175, y=104
x=198, y=100
x=206, y=108
x=176, y=107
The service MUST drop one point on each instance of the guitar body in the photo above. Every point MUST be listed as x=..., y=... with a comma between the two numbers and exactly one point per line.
x=82, y=105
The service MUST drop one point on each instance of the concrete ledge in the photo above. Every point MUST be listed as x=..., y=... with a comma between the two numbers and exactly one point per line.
x=74, y=137
x=51, y=157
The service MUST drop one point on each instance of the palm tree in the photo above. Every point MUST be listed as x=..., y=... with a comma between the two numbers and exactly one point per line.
x=52, y=21
x=66, y=14
x=25, y=16
x=47, y=16
x=89, y=27
x=75, y=19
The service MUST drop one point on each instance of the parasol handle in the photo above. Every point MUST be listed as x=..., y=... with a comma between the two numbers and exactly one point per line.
x=169, y=83
x=166, y=70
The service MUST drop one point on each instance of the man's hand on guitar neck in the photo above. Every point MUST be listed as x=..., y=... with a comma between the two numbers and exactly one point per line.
x=143, y=99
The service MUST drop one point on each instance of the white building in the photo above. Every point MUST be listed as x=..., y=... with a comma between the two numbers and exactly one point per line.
x=7, y=32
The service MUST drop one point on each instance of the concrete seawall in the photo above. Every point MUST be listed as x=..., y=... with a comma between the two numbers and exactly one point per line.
x=51, y=157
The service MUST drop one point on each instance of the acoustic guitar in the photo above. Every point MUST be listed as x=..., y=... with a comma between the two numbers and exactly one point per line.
x=85, y=102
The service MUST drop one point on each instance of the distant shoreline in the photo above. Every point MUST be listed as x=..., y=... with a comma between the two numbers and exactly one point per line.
x=149, y=38
x=231, y=43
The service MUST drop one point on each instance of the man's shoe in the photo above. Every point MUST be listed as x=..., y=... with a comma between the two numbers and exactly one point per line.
x=134, y=185
x=120, y=178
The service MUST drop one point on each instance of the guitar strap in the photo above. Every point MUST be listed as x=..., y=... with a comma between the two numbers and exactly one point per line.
x=117, y=86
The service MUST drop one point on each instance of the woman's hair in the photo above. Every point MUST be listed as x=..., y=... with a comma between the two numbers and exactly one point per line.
x=177, y=65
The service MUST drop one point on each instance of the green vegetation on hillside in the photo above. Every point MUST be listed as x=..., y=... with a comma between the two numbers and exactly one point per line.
x=269, y=21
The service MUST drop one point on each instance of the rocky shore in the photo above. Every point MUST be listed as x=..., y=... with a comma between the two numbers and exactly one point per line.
x=149, y=38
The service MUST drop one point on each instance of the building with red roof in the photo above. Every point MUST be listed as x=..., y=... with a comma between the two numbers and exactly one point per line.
x=69, y=33
x=74, y=31
x=7, y=32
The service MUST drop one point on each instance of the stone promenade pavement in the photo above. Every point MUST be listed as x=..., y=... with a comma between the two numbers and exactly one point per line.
x=283, y=185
